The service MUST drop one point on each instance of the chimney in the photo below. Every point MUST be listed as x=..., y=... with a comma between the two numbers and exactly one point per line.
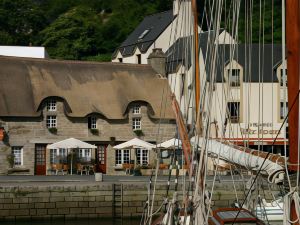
x=157, y=59
x=175, y=7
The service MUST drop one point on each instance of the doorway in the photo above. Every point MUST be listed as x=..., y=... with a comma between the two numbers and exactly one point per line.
x=40, y=159
x=101, y=158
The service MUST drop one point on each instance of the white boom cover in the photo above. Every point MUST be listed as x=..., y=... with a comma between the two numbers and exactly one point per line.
x=228, y=153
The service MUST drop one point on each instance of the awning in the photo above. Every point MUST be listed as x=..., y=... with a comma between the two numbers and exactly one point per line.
x=71, y=143
x=172, y=143
x=135, y=143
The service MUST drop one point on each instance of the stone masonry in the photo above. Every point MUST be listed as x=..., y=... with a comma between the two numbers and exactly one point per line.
x=92, y=200
x=29, y=132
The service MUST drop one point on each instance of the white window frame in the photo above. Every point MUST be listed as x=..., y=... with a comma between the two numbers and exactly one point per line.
x=51, y=121
x=20, y=154
x=93, y=122
x=85, y=153
x=136, y=123
x=136, y=109
x=54, y=153
x=124, y=155
x=236, y=82
x=51, y=105
x=142, y=156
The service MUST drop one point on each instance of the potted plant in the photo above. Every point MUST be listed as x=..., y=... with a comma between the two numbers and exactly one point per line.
x=137, y=171
x=52, y=130
x=138, y=133
x=94, y=131
x=11, y=160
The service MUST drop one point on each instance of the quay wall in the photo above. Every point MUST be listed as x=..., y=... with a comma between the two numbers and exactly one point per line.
x=91, y=200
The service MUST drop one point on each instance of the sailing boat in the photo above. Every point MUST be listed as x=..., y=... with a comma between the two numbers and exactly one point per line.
x=197, y=206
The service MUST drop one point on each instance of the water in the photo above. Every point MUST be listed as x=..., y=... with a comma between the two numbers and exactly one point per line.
x=99, y=221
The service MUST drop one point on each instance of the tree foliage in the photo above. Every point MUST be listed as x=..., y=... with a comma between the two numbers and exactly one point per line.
x=93, y=29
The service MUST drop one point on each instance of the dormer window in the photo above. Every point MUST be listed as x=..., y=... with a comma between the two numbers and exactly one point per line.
x=139, y=59
x=283, y=77
x=92, y=122
x=136, y=109
x=51, y=105
x=120, y=60
x=234, y=77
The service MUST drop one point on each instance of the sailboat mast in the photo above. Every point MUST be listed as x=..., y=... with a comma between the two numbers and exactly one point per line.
x=196, y=43
x=293, y=58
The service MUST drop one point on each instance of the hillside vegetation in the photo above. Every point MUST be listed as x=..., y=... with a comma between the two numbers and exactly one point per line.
x=90, y=29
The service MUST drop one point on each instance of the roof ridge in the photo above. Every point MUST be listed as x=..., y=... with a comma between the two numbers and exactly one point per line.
x=73, y=61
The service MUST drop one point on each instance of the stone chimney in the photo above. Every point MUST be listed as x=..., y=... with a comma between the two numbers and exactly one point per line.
x=175, y=7
x=157, y=59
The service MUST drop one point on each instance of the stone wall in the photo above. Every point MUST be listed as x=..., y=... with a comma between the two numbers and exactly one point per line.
x=91, y=200
x=27, y=132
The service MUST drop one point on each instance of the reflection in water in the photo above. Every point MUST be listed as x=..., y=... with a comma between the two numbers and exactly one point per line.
x=100, y=221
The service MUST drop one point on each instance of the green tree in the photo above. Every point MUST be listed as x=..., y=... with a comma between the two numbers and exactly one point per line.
x=74, y=35
x=21, y=20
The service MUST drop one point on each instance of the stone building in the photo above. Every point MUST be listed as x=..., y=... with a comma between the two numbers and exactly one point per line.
x=43, y=101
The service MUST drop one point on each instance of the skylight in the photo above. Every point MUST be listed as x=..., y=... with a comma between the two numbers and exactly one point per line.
x=145, y=32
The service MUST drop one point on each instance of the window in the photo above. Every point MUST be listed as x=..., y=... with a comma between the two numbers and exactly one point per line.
x=17, y=152
x=142, y=156
x=92, y=122
x=51, y=121
x=85, y=155
x=120, y=60
x=122, y=156
x=234, y=77
x=283, y=110
x=136, y=109
x=282, y=77
x=58, y=156
x=143, y=34
x=234, y=111
x=139, y=59
x=136, y=123
x=51, y=105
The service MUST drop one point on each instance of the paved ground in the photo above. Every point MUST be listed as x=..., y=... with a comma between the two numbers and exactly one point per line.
x=84, y=179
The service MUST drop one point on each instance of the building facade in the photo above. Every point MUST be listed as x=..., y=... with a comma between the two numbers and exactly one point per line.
x=45, y=101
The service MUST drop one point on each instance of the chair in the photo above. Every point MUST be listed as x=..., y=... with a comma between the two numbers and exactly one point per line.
x=81, y=168
x=59, y=168
x=65, y=168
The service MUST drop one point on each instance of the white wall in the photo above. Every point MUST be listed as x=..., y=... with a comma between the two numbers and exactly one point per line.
x=23, y=51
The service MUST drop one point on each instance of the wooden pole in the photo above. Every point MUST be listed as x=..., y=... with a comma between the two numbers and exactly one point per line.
x=196, y=42
x=293, y=58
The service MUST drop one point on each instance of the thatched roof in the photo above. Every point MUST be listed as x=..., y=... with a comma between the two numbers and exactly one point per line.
x=87, y=87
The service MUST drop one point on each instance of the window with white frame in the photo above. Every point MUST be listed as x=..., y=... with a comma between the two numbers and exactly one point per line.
x=142, y=156
x=283, y=109
x=136, y=109
x=234, y=111
x=58, y=156
x=51, y=121
x=51, y=105
x=136, y=124
x=122, y=156
x=234, y=77
x=85, y=155
x=17, y=153
x=92, y=122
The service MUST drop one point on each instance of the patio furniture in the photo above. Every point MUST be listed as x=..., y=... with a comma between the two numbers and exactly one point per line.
x=128, y=168
x=81, y=168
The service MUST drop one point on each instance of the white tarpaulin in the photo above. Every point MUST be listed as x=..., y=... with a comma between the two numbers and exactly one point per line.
x=70, y=143
x=245, y=159
x=172, y=143
x=135, y=143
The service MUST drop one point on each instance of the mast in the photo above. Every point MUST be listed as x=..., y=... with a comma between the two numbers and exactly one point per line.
x=197, y=77
x=293, y=58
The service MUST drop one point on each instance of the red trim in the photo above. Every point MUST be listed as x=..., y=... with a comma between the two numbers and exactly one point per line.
x=2, y=132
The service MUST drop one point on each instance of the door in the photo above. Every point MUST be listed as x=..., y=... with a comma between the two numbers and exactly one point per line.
x=101, y=158
x=40, y=159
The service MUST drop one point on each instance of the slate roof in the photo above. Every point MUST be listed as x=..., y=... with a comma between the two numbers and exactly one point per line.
x=156, y=24
x=86, y=87
x=261, y=67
